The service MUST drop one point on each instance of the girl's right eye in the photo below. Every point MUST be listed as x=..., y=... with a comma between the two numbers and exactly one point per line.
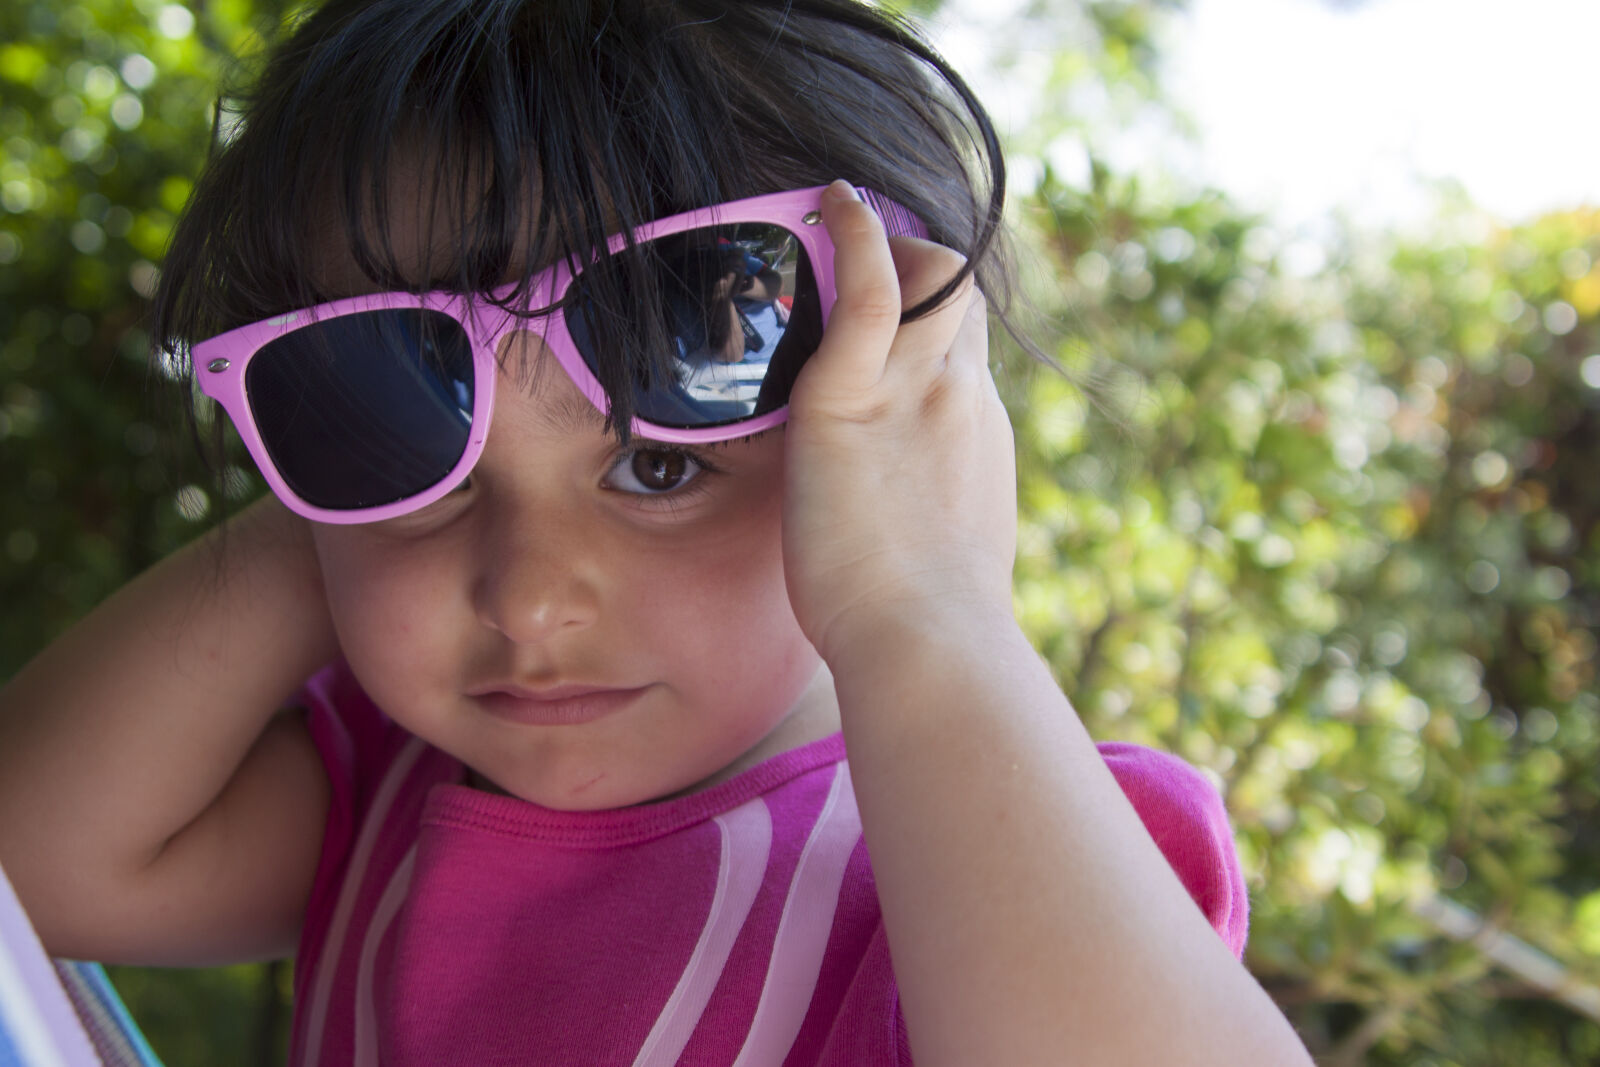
x=656, y=471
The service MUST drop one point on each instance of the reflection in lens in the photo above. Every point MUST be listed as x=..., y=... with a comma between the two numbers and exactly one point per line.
x=365, y=409
x=740, y=305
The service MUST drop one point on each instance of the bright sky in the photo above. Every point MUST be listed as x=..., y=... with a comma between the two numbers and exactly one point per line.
x=1303, y=105
x=1306, y=106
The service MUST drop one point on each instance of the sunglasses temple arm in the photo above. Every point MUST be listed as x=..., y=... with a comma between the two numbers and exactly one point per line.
x=898, y=221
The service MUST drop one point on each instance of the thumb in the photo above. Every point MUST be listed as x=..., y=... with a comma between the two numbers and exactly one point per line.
x=866, y=311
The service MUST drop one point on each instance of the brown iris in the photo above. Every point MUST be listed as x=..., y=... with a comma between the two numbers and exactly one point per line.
x=659, y=469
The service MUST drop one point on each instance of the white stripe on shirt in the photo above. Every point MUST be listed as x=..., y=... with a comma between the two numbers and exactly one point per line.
x=354, y=878
x=746, y=845
x=804, y=929
x=394, y=895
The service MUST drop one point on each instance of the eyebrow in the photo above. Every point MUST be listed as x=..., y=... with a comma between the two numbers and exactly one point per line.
x=568, y=414
x=561, y=411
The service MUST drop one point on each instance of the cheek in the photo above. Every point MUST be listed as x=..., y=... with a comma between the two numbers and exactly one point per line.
x=723, y=600
x=387, y=602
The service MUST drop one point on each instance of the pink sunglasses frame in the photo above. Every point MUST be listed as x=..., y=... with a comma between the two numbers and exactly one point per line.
x=221, y=361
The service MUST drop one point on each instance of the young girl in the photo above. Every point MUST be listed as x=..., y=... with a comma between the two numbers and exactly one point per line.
x=567, y=783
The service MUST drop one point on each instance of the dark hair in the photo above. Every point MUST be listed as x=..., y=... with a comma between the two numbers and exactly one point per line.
x=535, y=128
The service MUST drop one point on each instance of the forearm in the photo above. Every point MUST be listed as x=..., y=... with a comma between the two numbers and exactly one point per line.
x=127, y=727
x=1030, y=915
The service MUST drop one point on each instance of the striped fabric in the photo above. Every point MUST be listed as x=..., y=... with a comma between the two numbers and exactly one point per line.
x=735, y=926
x=63, y=1014
x=698, y=931
x=112, y=1031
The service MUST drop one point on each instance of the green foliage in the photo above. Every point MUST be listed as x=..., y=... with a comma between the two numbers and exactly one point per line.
x=1331, y=533
x=230, y=1015
x=1331, y=536
x=105, y=110
x=104, y=120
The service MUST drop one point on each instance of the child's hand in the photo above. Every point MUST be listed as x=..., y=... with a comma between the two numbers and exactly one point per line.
x=900, y=499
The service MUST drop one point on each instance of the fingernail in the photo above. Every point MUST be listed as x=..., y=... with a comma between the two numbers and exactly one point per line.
x=842, y=190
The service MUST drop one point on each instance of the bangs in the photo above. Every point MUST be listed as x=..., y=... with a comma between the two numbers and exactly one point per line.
x=404, y=145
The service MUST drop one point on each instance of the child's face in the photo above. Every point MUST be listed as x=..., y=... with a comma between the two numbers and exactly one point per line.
x=553, y=567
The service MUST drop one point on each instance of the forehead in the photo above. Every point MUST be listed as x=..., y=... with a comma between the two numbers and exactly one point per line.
x=537, y=390
x=421, y=227
x=418, y=236
x=435, y=220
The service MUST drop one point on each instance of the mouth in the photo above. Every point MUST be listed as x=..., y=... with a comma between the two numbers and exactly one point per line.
x=562, y=705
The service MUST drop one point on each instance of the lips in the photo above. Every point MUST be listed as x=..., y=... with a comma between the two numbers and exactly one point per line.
x=561, y=705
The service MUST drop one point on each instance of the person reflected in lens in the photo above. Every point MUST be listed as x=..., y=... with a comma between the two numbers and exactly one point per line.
x=758, y=305
x=729, y=302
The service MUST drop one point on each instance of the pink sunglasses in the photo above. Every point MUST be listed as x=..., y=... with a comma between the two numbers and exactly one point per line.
x=374, y=406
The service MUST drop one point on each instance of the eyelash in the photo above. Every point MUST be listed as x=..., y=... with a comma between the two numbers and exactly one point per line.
x=674, y=496
x=670, y=498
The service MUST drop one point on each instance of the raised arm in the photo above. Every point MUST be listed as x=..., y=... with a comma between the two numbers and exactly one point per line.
x=1031, y=917
x=152, y=808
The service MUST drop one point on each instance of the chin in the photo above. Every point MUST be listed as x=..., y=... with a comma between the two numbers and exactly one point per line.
x=593, y=789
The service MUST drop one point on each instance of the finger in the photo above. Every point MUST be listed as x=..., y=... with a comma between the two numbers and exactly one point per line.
x=866, y=310
x=922, y=345
x=969, y=350
x=923, y=268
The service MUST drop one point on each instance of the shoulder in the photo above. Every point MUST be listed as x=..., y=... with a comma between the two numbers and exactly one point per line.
x=1168, y=785
x=379, y=777
x=1185, y=816
x=356, y=740
x=376, y=769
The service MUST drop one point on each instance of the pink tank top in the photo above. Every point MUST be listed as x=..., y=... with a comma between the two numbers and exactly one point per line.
x=739, y=925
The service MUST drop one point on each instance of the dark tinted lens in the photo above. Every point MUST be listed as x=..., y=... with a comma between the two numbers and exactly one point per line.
x=364, y=409
x=741, y=308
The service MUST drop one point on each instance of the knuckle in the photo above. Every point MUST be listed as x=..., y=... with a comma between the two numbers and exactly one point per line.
x=924, y=267
x=857, y=220
x=853, y=414
x=948, y=259
x=947, y=397
x=873, y=301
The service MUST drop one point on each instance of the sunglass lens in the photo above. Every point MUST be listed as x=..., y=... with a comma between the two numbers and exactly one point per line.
x=364, y=409
x=742, y=315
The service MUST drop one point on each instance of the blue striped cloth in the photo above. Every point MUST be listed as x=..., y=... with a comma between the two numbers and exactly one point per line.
x=58, y=1013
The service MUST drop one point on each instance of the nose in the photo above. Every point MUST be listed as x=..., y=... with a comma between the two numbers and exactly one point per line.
x=539, y=557
x=536, y=578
